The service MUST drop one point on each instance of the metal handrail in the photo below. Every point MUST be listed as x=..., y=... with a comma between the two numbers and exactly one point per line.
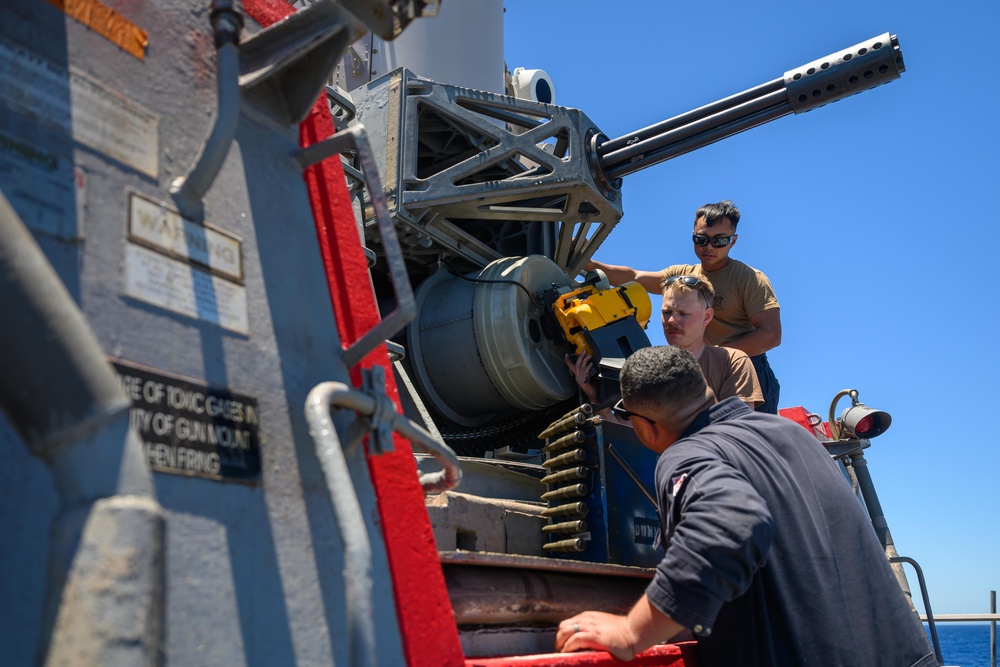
x=406, y=308
x=337, y=394
x=358, y=577
x=991, y=618
x=963, y=618
x=358, y=581
x=927, y=603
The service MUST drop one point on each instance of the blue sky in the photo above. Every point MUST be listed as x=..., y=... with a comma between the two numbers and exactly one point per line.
x=872, y=217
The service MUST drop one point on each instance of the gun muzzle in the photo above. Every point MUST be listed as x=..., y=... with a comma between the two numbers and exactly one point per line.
x=847, y=72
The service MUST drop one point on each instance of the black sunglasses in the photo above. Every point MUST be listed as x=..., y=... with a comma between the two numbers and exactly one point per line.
x=690, y=281
x=701, y=240
x=619, y=411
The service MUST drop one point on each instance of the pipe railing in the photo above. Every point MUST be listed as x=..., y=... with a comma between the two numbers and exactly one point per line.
x=991, y=618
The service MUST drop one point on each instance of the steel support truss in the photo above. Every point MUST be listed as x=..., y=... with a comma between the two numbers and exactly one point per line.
x=480, y=176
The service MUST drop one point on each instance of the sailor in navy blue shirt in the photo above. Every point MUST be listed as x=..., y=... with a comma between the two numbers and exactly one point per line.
x=769, y=557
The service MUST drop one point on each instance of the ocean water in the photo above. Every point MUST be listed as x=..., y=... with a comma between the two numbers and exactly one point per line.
x=964, y=644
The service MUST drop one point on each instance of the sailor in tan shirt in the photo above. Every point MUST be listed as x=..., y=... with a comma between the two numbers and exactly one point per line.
x=685, y=313
x=747, y=315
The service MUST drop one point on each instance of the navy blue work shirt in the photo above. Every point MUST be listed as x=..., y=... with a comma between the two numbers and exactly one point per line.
x=769, y=557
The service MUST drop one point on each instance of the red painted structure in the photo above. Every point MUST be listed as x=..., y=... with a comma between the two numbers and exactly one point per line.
x=808, y=421
x=665, y=655
x=426, y=621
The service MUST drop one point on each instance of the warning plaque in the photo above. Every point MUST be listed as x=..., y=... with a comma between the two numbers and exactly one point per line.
x=193, y=429
x=70, y=101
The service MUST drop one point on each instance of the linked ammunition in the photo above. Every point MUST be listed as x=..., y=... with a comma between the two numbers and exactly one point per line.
x=565, y=475
x=574, y=438
x=568, y=527
x=572, y=491
x=574, y=544
x=569, y=458
x=569, y=509
x=570, y=420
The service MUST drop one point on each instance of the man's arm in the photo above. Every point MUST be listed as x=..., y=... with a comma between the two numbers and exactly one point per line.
x=581, y=371
x=766, y=336
x=622, y=636
x=721, y=540
x=619, y=275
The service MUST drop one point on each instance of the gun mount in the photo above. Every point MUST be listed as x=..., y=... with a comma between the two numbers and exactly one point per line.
x=475, y=180
x=479, y=176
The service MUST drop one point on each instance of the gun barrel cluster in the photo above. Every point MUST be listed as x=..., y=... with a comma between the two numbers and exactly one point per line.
x=842, y=74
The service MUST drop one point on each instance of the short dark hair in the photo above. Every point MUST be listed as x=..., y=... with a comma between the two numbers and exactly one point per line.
x=659, y=380
x=714, y=213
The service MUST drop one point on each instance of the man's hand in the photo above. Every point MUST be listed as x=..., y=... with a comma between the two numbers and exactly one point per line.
x=581, y=370
x=597, y=630
x=622, y=636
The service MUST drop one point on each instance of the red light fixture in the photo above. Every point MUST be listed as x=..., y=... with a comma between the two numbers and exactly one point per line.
x=864, y=425
x=857, y=421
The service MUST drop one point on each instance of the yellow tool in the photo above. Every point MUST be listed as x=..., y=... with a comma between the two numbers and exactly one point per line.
x=588, y=308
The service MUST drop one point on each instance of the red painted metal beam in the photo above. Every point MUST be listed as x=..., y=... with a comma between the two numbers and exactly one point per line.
x=663, y=655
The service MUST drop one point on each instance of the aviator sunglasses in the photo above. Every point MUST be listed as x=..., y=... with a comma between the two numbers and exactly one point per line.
x=690, y=281
x=701, y=240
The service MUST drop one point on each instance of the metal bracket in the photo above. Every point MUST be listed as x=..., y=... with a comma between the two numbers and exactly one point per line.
x=843, y=449
x=341, y=396
x=380, y=421
x=406, y=309
x=284, y=67
x=341, y=105
x=385, y=18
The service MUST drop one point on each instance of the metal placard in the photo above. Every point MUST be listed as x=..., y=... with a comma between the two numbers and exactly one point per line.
x=77, y=105
x=188, y=428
